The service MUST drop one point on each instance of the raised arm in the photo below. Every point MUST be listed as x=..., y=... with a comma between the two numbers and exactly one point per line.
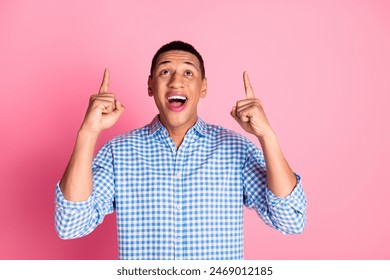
x=103, y=112
x=250, y=115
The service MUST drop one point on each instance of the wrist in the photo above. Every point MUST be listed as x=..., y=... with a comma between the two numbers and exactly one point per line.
x=86, y=135
x=269, y=136
x=268, y=141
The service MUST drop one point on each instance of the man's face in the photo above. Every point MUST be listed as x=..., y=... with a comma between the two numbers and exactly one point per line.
x=177, y=85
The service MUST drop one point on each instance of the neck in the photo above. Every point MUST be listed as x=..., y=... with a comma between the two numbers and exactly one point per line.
x=178, y=133
x=178, y=127
x=177, y=137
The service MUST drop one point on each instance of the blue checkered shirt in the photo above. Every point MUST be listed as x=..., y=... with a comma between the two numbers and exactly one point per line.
x=184, y=203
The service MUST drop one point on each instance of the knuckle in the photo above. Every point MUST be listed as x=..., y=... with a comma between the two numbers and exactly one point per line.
x=240, y=103
x=257, y=103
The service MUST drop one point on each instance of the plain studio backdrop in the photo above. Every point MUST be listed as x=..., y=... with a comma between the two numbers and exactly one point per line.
x=320, y=68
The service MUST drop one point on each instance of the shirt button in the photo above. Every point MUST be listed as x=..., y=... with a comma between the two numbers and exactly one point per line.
x=179, y=207
x=178, y=175
x=179, y=239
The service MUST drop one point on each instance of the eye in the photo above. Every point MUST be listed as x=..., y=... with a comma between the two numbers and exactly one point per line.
x=188, y=73
x=165, y=72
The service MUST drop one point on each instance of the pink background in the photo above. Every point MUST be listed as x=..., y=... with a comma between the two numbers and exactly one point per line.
x=321, y=69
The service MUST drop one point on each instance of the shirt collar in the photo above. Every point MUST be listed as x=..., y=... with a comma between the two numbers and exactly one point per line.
x=156, y=126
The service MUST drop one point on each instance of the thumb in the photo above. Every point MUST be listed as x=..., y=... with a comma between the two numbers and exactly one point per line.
x=233, y=113
x=119, y=108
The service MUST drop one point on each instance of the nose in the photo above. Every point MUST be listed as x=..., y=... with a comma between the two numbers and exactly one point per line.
x=176, y=81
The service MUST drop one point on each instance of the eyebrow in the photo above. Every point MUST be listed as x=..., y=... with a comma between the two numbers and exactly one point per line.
x=186, y=62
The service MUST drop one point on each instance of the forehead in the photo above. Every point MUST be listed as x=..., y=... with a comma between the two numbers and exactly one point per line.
x=177, y=57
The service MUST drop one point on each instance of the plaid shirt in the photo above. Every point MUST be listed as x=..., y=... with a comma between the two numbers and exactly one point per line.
x=184, y=203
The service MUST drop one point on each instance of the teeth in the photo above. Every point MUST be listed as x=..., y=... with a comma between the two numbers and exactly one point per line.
x=177, y=97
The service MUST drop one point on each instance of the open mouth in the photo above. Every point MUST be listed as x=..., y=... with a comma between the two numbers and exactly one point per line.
x=177, y=102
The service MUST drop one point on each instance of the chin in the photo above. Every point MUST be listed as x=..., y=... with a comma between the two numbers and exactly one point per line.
x=177, y=120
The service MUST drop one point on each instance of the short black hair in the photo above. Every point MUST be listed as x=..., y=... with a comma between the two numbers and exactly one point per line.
x=178, y=46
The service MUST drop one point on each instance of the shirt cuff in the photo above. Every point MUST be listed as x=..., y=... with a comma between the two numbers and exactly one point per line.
x=67, y=205
x=296, y=199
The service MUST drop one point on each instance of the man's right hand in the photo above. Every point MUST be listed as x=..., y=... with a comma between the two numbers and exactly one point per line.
x=103, y=110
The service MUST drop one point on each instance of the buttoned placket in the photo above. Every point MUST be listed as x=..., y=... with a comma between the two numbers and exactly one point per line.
x=179, y=156
x=178, y=202
x=175, y=191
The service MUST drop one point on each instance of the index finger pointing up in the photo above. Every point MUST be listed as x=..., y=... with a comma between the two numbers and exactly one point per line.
x=248, y=87
x=104, y=85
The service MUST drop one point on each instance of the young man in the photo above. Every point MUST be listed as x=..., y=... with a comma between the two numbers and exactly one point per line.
x=178, y=185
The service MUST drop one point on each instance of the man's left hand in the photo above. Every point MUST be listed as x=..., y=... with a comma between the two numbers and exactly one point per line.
x=249, y=113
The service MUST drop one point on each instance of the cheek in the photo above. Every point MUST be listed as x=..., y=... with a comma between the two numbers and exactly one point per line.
x=158, y=90
x=197, y=89
x=158, y=100
x=194, y=87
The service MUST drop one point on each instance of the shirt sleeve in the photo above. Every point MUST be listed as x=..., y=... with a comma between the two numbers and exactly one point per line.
x=287, y=215
x=77, y=219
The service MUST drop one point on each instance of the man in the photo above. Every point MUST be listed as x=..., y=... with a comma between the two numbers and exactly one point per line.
x=177, y=185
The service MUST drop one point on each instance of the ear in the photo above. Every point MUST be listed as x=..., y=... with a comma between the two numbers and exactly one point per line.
x=150, y=92
x=203, y=91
